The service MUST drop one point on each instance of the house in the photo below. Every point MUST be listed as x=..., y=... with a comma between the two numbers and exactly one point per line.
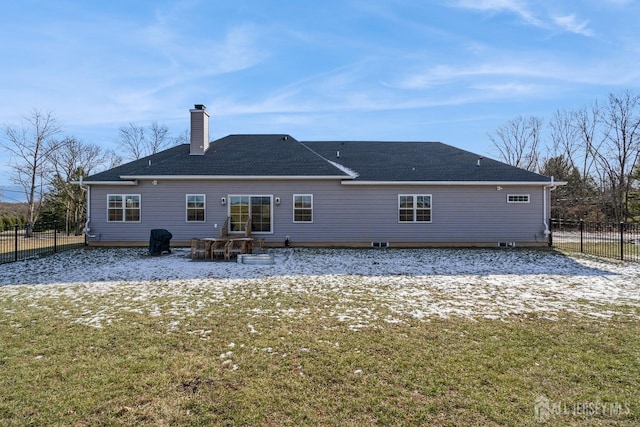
x=319, y=193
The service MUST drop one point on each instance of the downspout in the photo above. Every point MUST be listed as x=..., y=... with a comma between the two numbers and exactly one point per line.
x=545, y=216
x=86, y=189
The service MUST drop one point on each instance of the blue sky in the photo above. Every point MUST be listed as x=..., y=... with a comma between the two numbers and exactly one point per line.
x=441, y=70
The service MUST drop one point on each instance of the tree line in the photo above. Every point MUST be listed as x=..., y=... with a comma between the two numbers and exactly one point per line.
x=595, y=149
x=47, y=166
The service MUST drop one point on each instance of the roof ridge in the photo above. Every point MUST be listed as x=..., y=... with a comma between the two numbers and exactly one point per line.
x=342, y=168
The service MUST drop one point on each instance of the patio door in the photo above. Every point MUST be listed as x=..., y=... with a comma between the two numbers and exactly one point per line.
x=258, y=207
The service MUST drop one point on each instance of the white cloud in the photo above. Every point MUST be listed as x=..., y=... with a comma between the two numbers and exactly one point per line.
x=516, y=7
x=509, y=89
x=570, y=23
x=567, y=22
x=446, y=74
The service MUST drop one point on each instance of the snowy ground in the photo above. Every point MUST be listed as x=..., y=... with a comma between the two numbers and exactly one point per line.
x=365, y=288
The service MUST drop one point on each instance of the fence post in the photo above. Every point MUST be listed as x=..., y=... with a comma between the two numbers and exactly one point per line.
x=15, y=250
x=622, y=241
x=55, y=238
x=581, y=235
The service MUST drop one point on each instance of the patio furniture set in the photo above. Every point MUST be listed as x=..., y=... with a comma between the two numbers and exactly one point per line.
x=225, y=246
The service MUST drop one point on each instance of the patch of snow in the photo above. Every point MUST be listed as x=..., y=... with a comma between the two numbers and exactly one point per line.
x=173, y=326
x=363, y=288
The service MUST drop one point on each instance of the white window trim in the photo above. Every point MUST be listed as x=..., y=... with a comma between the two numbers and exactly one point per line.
x=415, y=209
x=509, y=196
x=186, y=208
x=270, y=196
x=294, y=208
x=124, y=209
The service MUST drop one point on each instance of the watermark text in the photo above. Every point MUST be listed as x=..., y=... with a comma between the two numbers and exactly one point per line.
x=545, y=409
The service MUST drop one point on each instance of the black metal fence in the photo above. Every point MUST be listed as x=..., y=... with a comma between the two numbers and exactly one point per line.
x=610, y=240
x=16, y=245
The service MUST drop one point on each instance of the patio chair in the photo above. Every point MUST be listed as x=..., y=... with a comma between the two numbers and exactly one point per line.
x=198, y=248
x=217, y=248
x=234, y=248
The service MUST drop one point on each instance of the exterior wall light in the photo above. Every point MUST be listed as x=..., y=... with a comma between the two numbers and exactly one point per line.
x=223, y=201
x=277, y=201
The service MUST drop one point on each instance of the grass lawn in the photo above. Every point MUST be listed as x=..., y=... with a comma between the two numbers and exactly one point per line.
x=234, y=362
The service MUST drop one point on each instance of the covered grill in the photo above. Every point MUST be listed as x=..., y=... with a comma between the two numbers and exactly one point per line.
x=160, y=242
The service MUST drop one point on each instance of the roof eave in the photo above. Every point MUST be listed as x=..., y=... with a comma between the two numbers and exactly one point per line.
x=451, y=183
x=236, y=177
x=130, y=182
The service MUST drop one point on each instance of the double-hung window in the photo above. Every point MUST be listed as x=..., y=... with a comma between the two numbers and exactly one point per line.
x=195, y=207
x=123, y=208
x=258, y=207
x=414, y=208
x=302, y=208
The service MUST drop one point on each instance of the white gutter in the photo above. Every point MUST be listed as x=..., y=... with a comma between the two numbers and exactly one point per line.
x=135, y=182
x=223, y=178
x=449, y=183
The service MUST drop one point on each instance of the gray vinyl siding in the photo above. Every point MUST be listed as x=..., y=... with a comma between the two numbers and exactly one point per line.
x=341, y=213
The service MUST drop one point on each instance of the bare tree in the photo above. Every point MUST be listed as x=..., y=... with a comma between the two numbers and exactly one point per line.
x=586, y=121
x=73, y=161
x=138, y=141
x=111, y=159
x=518, y=142
x=573, y=142
x=588, y=125
x=158, y=138
x=618, y=154
x=564, y=136
x=132, y=140
x=183, y=137
x=31, y=145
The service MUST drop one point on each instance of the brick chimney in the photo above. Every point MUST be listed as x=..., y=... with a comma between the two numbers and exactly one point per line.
x=199, y=130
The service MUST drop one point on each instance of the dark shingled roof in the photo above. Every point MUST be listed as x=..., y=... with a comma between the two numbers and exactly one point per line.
x=282, y=155
x=233, y=155
x=417, y=161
